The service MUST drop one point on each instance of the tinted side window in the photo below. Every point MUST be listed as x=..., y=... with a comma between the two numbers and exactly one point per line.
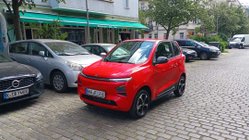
x=21, y=48
x=165, y=49
x=96, y=50
x=176, y=49
x=181, y=43
x=102, y=50
x=189, y=43
x=88, y=48
x=35, y=48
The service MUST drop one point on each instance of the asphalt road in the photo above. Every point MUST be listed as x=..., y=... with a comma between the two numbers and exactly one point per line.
x=214, y=106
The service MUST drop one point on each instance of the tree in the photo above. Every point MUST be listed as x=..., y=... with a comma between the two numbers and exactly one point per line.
x=142, y=19
x=224, y=19
x=49, y=31
x=15, y=4
x=171, y=14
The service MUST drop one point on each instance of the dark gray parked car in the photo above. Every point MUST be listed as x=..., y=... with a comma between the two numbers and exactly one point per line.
x=18, y=82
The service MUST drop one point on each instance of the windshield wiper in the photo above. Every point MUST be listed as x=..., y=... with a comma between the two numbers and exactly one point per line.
x=82, y=53
x=65, y=54
x=120, y=61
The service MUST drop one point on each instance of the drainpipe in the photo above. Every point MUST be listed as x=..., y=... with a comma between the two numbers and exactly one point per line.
x=87, y=24
x=3, y=35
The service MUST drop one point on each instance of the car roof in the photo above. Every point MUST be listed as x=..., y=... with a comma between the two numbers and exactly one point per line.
x=148, y=39
x=98, y=44
x=40, y=40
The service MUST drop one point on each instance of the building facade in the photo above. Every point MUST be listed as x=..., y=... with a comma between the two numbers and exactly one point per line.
x=109, y=20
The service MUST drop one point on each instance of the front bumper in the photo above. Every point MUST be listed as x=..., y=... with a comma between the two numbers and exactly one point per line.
x=191, y=56
x=34, y=92
x=214, y=54
x=112, y=100
x=71, y=77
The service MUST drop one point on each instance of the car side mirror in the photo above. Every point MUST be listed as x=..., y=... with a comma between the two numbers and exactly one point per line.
x=103, y=54
x=42, y=53
x=161, y=60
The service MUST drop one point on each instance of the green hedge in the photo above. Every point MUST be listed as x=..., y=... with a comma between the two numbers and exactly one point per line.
x=214, y=38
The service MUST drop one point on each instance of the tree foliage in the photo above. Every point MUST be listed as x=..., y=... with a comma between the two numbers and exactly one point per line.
x=50, y=31
x=14, y=9
x=224, y=19
x=170, y=14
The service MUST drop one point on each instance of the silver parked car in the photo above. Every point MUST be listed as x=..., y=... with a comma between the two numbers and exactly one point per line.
x=59, y=61
x=100, y=49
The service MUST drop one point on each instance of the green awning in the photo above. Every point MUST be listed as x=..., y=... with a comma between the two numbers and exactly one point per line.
x=76, y=21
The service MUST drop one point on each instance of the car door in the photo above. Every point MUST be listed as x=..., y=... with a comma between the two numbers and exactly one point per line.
x=178, y=62
x=42, y=63
x=164, y=73
x=19, y=52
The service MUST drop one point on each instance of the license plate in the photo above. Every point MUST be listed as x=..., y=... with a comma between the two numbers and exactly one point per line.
x=95, y=93
x=14, y=94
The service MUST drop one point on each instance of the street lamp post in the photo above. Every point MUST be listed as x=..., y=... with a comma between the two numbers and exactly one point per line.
x=87, y=24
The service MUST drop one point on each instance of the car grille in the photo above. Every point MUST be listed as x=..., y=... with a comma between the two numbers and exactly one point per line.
x=6, y=84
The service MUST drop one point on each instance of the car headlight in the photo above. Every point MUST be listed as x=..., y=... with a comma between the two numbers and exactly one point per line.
x=39, y=76
x=74, y=66
x=212, y=50
x=120, y=79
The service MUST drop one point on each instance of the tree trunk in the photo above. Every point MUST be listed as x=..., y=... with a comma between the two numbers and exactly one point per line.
x=16, y=20
x=167, y=33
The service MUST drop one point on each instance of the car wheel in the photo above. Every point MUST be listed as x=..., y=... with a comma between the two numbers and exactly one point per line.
x=59, y=82
x=204, y=56
x=187, y=59
x=140, y=105
x=180, y=88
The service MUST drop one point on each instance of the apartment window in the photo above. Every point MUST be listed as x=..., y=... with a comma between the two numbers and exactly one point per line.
x=182, y=35
x=150, y=35
x=156, y=36
x=126, y=3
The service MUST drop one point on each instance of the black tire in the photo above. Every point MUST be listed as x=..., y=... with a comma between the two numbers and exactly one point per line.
x=187, y=59
x=180, y=87
x=204, y=56
x=59, y=86
x=140, y=104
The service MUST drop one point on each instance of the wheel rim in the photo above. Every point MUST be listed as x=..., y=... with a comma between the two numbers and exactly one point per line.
x=58, y=82
x=181, y=85
x=142, y=104
x=203, y=56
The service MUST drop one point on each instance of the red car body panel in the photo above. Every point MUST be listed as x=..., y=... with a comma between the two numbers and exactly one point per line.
x=155, y=77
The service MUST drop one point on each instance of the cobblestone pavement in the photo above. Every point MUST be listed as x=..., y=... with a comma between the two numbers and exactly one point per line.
x=215, y=106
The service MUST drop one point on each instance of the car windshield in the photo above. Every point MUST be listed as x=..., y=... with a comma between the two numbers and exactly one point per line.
x=66, y=48
x=4, y=59
x=205, y=44
x=133, y=52
x=109, y=47
x=236, y=38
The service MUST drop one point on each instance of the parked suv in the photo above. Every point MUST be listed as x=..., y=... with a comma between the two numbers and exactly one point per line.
x=132, y=75
x=203, y=50
x=18, y=82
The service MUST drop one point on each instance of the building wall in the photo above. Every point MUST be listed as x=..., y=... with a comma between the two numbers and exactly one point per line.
x=124, y=8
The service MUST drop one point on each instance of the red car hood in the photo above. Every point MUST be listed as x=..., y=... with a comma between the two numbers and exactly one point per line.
x=111, y=69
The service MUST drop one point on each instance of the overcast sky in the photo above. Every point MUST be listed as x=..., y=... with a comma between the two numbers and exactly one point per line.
x=244, y=2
